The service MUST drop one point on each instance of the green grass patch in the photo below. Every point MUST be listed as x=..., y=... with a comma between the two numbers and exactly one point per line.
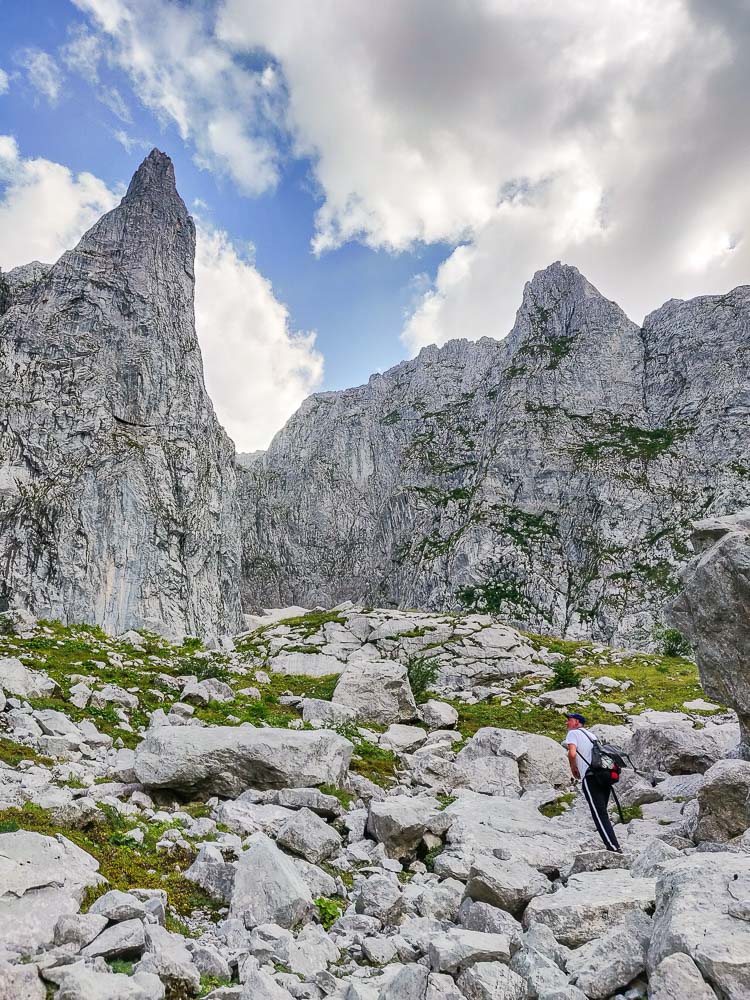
x=559, y=806
x=329, y=910
x=125, y=865
x=375, y=763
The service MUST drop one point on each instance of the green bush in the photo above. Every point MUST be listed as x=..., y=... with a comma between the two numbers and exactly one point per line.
x=329, y=911
x=564, y=675
x=422, y=672
x=671, y=641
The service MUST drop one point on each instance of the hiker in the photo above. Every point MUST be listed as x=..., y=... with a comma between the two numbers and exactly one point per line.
x=595, y=782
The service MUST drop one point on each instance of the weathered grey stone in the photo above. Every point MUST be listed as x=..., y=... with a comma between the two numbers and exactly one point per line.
x=79, y=982
x=121, y=940
x=693, y=915
x=268, y=888
x=20, y=982
x=403, y=739
x=491, y=981
x=459, y=948
x=225, y=760
x=41, y=879
x=210, y=689
x=116, y=905
x=674, y=748
x=586, y=907
x=712, y=611
x=508, y=885
x=409, y=983
x=677, y=977
x=437, y=714
x=128, y=452
x=540, y=759
x=400, y=822
x=16, y=679
x=609, y=963
x=167, y=957
x=322, y=714
x=310, y=798
x=78, y=928
x=476, y=916
x=724, y=801
x=379, y=896
x=212, y=873
x=307, y=834
x=378, y=691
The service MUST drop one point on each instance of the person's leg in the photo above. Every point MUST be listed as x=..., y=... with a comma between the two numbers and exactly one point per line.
x=597, y=797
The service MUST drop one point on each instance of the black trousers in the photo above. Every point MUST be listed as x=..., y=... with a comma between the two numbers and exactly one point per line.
x=597, y=791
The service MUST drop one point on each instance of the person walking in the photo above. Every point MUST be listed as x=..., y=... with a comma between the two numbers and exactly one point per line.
x=596, y=786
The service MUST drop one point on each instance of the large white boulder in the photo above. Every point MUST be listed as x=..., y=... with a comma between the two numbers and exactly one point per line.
x=540, y=759
x=399, y=822
x=712, y=611
x=587, y=906
x=377, y=690
x=268, y=888
x=673, y=747
x=41, y=879
x=724, y=801
x=18, y=680
x=697, y=899
x=226, y=760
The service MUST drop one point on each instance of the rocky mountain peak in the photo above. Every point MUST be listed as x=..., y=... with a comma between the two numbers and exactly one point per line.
x=154, y=179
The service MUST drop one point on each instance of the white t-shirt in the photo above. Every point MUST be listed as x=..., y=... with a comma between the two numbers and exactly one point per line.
x=583, y=747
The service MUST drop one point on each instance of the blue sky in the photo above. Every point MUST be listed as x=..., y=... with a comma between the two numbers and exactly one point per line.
x=355, y=298
x=400, y=169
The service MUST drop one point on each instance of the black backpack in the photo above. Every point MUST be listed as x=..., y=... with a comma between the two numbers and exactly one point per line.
x=606, y=763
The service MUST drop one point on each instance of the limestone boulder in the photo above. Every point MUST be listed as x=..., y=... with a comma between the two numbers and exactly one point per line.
x=586, y=908
x=41, y=879
x=306, y=834
x=673, y=747
x=377, y=690
x=713, y=611
x=724, y=801
x=540, y=760
x=18, y=680
x=697, y=899
x=607, y=964
x=399, y=822
x=226, y=760
x=677, y=977
x=508, y=885
x=268, y=888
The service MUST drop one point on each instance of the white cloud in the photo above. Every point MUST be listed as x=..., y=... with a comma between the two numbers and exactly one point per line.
x=83, y=53
x=4, y=81
x=257, y=370
x=44, y=207
x=185, y=76
x=42, y=71
x=130, y=143
x=612, y=136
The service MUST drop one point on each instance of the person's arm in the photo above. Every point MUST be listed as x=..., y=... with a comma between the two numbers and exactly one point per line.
x=572, y=760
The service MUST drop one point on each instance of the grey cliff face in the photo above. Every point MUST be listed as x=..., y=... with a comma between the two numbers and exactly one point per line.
x=117, y=483
x=713, y=610
x=551, y=477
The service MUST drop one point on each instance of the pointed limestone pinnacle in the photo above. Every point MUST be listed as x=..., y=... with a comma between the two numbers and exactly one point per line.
x=154, y=178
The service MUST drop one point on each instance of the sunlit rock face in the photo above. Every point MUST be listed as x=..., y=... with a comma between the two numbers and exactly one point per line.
x=551, y=476
x=117, y=483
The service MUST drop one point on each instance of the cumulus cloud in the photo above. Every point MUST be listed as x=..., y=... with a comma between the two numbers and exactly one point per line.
x=612, y=136
x=44, y=207
x=4, y=81
x=42, y=72
x=257, y=369
x=185, y=76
